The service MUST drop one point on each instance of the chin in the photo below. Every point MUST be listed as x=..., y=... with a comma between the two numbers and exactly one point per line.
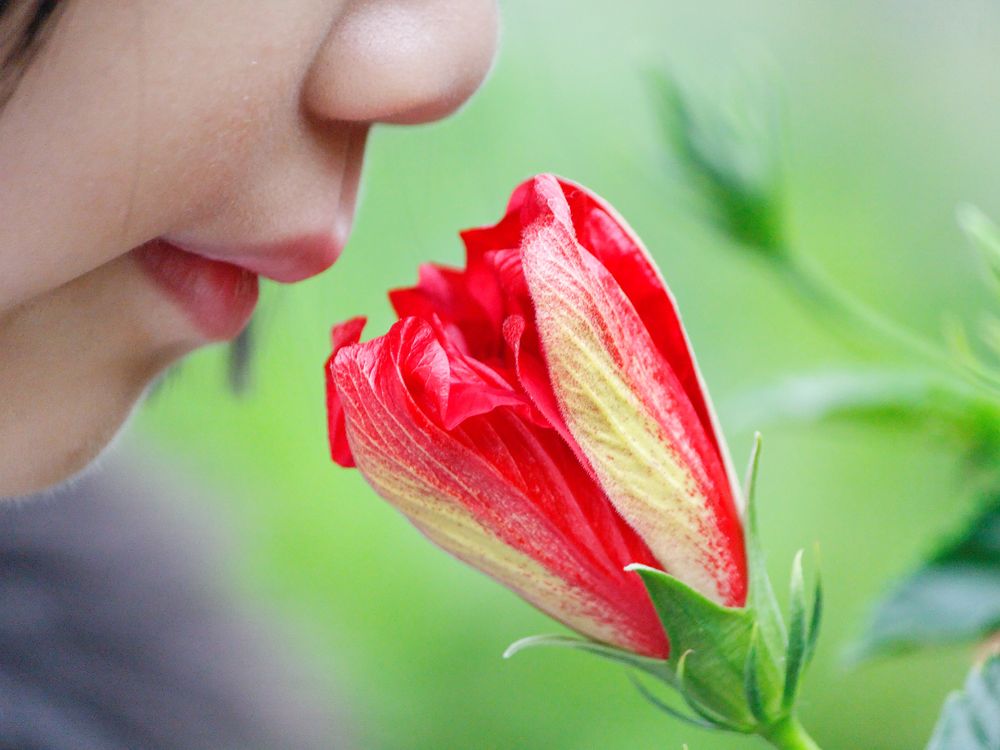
x=76, y=363
x=68, y=439
x=76, y=463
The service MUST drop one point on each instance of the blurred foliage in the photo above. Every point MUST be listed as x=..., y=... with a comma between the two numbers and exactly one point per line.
x=971, y=718
x=874, y=168
x=733, y=166
x=984, y=236
x=911, y=399
x=730, y=157
x=953, y=596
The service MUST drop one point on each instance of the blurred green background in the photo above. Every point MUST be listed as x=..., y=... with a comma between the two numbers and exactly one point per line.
x=891, y=112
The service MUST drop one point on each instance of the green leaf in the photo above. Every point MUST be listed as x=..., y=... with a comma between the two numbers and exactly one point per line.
x=658, y=668
x=876, y=394
x=709, y=645
x=953, y=597
x=730, y=159
x=971, y=718
x=909, y=397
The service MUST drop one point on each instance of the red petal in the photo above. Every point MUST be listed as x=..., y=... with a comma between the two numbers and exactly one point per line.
x=496, y=482
x=455, y=420
x=343, y=334
x=626, y=406
x=468, y=307
x=601, y=230
x=448, y=384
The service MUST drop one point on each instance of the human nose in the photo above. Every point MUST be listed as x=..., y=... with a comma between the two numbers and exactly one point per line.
x=402, y=62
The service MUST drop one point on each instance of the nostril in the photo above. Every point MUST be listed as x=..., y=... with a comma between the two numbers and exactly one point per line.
x=403, y=64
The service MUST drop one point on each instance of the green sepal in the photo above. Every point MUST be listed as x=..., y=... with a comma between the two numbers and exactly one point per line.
x=658, y=668
x=798, y=635
x=731, y=161
x=736, y=668
x=717, y=720
x=666, y=708
x=815, y=619
x=761, y=599
x=719, y=639
x=751, y=680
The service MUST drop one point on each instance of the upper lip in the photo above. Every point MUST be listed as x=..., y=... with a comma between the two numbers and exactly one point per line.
x=286, y=260
x=303, y=256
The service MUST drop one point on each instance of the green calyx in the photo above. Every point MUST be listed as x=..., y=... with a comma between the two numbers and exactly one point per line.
x=736, y=668
x=739, y=668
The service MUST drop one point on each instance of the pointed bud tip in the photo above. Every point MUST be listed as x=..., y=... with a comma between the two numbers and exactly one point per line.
x=519, y=645
x=638, y=567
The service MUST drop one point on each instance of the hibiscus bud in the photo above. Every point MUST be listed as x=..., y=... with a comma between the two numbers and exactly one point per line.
x=539, y=414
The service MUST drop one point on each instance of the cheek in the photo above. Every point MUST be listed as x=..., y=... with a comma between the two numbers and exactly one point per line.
x=138, y=117
x=64, y=195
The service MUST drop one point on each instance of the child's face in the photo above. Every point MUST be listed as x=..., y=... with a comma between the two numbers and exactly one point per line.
x=233, y=128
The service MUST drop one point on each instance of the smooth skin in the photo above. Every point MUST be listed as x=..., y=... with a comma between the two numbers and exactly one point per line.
x=217, y=122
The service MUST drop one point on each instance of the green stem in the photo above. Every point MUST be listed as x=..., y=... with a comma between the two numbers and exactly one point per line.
x=859, y=322
x=789, y=734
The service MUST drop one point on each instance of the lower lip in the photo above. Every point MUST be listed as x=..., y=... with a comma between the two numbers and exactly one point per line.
x=218, y=297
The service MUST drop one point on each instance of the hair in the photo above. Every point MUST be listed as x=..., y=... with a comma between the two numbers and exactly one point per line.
x=23, y=25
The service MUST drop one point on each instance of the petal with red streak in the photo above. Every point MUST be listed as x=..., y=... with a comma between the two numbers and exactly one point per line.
x=495, y=490
x=626, y=408
x=343, y=334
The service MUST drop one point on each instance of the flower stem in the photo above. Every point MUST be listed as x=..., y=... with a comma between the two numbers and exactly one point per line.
x=859, y=322
x=789, y=734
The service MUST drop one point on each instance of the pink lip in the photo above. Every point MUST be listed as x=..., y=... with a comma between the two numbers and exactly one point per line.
x=218, y=297
x=287, y=261
x=218, y=288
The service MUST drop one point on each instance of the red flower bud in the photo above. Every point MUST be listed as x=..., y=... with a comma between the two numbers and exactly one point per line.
x=539, y=415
